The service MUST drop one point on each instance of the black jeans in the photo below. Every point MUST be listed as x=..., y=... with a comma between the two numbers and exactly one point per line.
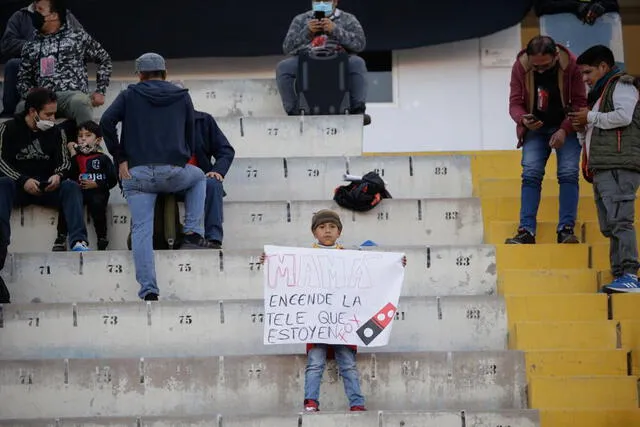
x=96, y=201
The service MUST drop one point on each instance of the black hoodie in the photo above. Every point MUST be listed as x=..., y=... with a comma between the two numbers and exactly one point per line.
x=25, y=153
x=157, y=125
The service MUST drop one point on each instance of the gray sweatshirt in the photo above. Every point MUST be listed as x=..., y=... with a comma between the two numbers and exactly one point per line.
x=625, y=98
x=20, y=30
x=348, y=33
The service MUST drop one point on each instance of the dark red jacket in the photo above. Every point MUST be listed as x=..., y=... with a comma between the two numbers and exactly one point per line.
x=522, y=94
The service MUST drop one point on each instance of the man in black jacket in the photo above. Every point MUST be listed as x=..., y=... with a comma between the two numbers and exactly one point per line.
x=33, y=160
x=18, y=31
x=212, y=143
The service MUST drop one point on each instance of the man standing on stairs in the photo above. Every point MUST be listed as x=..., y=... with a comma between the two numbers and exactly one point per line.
x=156, y=143
x=610, y=132
x=545, y=84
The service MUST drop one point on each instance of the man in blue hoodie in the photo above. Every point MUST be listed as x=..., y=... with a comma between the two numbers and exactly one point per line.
x=153, y=152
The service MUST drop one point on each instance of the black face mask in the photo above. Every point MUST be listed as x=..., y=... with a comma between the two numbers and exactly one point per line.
x=38, y=20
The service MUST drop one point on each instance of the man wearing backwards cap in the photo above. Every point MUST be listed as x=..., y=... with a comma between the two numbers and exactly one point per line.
x=156, y=142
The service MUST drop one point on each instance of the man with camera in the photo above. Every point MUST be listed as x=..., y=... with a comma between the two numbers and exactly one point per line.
x=34, y=161
x=324, y=26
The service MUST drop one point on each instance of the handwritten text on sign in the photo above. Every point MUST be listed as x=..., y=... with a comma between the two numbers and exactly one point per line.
x=330, y=296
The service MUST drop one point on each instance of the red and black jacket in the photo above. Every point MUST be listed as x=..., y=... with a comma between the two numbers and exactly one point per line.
x=99, y=168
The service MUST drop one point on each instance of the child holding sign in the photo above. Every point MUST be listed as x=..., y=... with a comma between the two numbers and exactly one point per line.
x=326, y=228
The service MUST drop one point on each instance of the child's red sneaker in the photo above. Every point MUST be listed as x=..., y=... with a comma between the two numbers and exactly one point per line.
x=311, y=405
x=358, y=408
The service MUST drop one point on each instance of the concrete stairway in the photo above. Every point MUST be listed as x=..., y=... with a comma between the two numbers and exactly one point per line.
x=581, y=348
x=77, y=347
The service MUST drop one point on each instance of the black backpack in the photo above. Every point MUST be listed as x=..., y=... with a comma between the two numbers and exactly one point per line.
x=362, y=195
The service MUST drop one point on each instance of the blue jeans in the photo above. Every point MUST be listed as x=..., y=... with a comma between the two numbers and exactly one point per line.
x=535, y=153
x=213, y=210
x=10, y=95
x=141, y=191
x=346, y=359
x=68, y=197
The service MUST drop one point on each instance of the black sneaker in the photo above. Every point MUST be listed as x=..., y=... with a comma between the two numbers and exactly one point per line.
x=194, y=241
x=366, y=119
x=522, y=238
x=566, y=235
x=60, y=244
x=102, y=244
x=151, y=297
x=215, y=244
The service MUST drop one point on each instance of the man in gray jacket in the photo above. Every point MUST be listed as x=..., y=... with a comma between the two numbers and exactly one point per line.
x=610, y=132
x=19, y=30
x=338, y=27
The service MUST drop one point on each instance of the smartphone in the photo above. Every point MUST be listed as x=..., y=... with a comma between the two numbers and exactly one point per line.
x=43, y=185
x=568, y=109
x=318, y=14
x=85, y=177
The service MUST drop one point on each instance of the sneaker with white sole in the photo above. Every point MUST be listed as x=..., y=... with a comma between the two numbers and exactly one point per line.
x=80, y=247
x=627, y=283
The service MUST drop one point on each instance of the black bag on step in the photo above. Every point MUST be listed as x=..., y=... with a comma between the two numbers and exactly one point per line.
x=322, y=82
x=362, y=195
x=167, y=229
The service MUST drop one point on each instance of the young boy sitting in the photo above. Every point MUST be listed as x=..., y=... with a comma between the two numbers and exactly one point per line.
x=326, y=228
x=96, y=174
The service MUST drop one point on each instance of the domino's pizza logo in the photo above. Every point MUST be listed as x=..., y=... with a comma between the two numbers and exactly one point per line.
x=374, y=326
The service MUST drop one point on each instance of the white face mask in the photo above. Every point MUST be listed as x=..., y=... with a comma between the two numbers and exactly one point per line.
x=44, y=124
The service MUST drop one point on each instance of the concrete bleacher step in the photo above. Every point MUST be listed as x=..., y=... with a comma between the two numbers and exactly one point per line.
x=56, y=277
x=559, y=307
x=586, y=335
x=553, y=363
x=625, y=307
x=251, y=225
x=589, y=417
x=511, y=418
x=599, y=257
x=507, y=208
x=218, y=97
x=315, y=178
x=584, y=392
x=542, y=257
x=484, y=381
x=302, y=136
x=227, y=328
x=550, y=281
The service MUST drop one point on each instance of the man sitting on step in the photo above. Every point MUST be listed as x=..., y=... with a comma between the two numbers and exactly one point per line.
x=18, y=31
x=335, y=28
x=156, y=143
x=57, y=59
x=33, y=162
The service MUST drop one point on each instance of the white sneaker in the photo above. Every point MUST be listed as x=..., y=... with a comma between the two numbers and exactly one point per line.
x=80, y=247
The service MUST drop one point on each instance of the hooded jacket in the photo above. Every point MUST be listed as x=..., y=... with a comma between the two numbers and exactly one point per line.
x=522, y=92
x=25, y=153
x=157, y=125
x=20, y=30
x=66, y=52
x=212, y=143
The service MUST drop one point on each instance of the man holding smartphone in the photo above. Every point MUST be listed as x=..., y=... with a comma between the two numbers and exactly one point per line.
x=324, y=26
x=545, y=85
